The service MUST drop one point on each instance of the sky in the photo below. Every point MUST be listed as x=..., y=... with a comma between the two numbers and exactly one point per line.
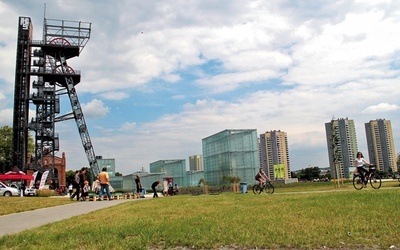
x=159, y=76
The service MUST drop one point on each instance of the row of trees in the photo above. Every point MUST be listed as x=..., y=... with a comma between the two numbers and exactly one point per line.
x=6, y=137
x=312, y=173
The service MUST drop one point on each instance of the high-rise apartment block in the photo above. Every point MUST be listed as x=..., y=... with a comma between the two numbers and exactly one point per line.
x=231, y=153
x=380, y=143
x=274, y=154
x=342, y=146
x=196, y=163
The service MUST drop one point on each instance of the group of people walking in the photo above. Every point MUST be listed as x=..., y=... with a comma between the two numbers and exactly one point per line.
x=80, y=184
x=82, y=188
x=102, y=185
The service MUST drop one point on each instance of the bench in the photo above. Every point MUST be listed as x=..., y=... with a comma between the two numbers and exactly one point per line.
x=129, y=196
x=396, y=176
x=195, y=190
x=92, y=197
x=117, y=196
x=215, y=190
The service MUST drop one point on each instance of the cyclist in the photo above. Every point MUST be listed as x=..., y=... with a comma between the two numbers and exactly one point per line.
x=360, y=162
x=262, y=177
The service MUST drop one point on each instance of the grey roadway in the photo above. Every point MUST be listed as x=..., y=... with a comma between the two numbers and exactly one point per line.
x=14, y=223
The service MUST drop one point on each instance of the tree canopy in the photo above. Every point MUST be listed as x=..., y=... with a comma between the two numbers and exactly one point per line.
x=309, y=174
x=5, y=148
x=6, y=136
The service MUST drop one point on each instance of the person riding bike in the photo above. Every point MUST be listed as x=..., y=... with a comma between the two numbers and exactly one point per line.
x=261, y=177
x=360, y=162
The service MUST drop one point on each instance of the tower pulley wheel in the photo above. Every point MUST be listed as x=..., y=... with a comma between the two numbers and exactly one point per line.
x=62, y=69
x=60, y=41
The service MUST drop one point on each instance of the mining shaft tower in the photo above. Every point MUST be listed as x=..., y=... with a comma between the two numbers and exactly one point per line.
x=42, y=66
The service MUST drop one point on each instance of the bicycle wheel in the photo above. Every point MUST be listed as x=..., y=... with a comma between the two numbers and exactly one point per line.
x=269, y=189
x=257, y=189
x=375, y=181
x=357, y=182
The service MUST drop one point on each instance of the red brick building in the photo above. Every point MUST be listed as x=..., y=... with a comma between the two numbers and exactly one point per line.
x=59, y=170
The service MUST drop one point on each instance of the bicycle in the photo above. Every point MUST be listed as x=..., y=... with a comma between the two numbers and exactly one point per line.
x=374, y=179
x=267, y=186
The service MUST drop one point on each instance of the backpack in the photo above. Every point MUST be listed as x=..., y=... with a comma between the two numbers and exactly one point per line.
x=257, y=176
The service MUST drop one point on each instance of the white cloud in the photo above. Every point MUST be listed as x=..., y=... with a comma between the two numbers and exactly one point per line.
x=333, y=57
x=2, y=96
x=177, y=97
x=171, y=78
x=230, y=81
x=128, y=126
x=8, y=43
x=6, y=116
x=114, y=95
x=227, y=62
x=95, y=108
x=381, y=108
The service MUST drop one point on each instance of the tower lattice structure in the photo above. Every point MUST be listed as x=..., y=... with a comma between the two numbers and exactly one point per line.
x=46, y=63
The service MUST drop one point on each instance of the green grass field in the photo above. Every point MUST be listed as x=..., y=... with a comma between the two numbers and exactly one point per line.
x=300, y=216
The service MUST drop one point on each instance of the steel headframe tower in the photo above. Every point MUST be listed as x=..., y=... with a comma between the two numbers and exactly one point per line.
x=62, y=40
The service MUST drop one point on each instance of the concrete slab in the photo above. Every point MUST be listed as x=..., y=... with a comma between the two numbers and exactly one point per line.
x=14, y=223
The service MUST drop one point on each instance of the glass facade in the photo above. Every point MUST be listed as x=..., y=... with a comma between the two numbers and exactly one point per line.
x=149, y=179
x=109, y=163
x=146, y=179
x=172, y=169
x=193, y=178
x=116, y=182
x=231, y=153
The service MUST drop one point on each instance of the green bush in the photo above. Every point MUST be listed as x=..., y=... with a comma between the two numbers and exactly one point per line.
x=45, y=193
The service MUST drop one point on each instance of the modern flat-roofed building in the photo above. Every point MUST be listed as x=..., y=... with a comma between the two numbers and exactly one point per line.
x=229, y=153
x=381, y=151
x=342, y=146
x=196, y=163
x=274, y=153
x=175, y=169
x=115, y=181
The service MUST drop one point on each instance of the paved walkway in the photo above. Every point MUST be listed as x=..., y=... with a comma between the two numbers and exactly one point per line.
x=14, y=223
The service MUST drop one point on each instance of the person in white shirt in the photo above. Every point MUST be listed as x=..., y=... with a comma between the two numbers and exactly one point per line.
x=70, y=189
x=360, y=162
